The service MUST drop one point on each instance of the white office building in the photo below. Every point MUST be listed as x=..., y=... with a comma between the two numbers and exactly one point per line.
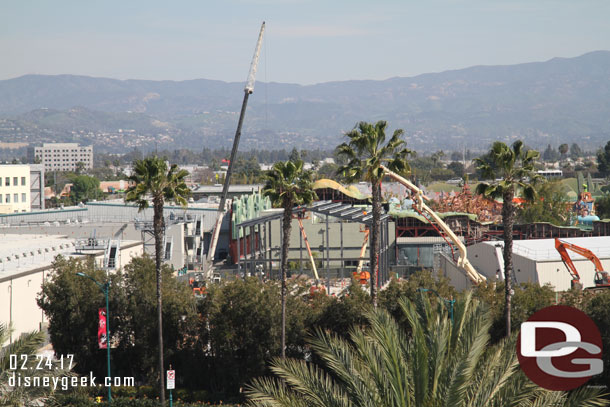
x=64, y=156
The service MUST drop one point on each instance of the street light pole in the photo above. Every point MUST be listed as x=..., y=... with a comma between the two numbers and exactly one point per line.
x=105, y=289
x=446, y=301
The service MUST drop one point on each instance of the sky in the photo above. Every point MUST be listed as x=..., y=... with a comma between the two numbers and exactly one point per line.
x=306, y=41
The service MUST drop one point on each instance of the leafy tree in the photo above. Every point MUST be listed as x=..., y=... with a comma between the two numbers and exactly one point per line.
x=390, y=297
x=294, y=155
x=575, y=151
x=603, y=160
x=71, y=304
x=513, y=167
x=551, y=205
x=288, y=184
x=365, y=151
x=26, y=345
x=563, y=150
x=598, y=308
x=602, y=206
x=151, y=177
x=340, y=314
x=327, y=170
x=85, y=188
x=457, y=168
x=247, y=170
x=138, y=336
x=550, y=154
x=456, y=156
x=442, y=364
x=528, y=298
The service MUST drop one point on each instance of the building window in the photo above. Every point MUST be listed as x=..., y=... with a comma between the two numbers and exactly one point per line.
x=0, y=198
x=7, y=181
x=23, y=198
x=8, y=198
x=15, y=181
x=16, y=198
x=22, y=181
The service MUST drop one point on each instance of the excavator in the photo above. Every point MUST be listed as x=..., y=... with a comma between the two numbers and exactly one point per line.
x=418, y=197
x=601, y=276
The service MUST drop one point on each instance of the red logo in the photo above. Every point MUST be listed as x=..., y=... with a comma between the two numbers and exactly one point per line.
x=560, y=348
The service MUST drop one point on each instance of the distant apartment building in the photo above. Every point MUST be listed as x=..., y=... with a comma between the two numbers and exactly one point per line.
x=14, y=188
x=64, y=156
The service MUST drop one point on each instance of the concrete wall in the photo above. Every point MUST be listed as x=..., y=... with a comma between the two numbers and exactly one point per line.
x=18, y=292
x=18, y=302
x=556, y=273
x=553, y=272
x=458, y=277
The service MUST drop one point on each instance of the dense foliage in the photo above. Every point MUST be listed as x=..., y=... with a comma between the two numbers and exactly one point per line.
x=435, y=363
x=220, y=342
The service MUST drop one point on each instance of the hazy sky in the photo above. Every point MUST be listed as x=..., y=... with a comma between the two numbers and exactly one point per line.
x=306, y=41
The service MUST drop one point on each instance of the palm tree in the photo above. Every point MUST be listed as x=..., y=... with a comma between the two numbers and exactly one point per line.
x=153, y=179
x=365, y=151
x=25, y=349
x=288, y=184
x=440, y=364
x=513, y=169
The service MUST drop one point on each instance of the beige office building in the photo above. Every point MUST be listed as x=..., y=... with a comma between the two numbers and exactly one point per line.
x=14, y=188
x=64, y=156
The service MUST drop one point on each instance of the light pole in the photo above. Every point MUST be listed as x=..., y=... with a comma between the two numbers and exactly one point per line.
x=105, y=288
x=449, y=303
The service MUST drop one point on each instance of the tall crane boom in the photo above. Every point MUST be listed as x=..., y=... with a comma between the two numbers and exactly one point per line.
x=248, y=90
x=462, y=261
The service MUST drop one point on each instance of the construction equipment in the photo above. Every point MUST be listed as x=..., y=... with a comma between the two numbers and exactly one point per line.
x=198, y=285
x=601, y=276
x=418, y=198
x=316, y=287
x=363, y=277
x=249, y=89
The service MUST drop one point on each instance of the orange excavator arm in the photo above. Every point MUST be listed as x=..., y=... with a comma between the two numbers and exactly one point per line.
x=565, y=257
x=601, y=277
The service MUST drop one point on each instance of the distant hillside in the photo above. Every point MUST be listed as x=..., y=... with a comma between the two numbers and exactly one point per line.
x=561, y=100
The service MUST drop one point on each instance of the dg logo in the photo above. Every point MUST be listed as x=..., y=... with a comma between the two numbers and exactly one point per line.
x=560, y=348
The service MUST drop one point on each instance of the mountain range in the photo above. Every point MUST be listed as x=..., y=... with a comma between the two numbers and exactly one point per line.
x=551, y=102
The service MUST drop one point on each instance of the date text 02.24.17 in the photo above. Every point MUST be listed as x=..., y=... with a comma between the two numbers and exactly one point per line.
x=40, y=362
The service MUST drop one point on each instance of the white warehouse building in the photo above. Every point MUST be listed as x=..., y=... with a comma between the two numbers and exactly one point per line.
x=538, y=261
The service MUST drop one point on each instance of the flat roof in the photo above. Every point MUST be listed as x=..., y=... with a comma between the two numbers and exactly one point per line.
x=24, y=253
x=544, y=249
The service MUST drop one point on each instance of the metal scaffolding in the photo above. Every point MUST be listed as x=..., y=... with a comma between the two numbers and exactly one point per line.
x=256, y=251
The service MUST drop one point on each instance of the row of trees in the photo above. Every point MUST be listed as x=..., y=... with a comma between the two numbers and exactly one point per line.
x=223, y=341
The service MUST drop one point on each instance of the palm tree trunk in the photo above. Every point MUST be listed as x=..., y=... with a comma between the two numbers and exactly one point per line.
x=374, y=248
x=286, y=226
x=508, y=220
x=158, y=227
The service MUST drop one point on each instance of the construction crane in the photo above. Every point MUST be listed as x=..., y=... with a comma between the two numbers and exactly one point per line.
x=601, y=276
x=248, y=90
x=462, y=261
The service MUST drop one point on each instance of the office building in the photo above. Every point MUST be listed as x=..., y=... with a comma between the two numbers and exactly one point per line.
x=64, y=156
